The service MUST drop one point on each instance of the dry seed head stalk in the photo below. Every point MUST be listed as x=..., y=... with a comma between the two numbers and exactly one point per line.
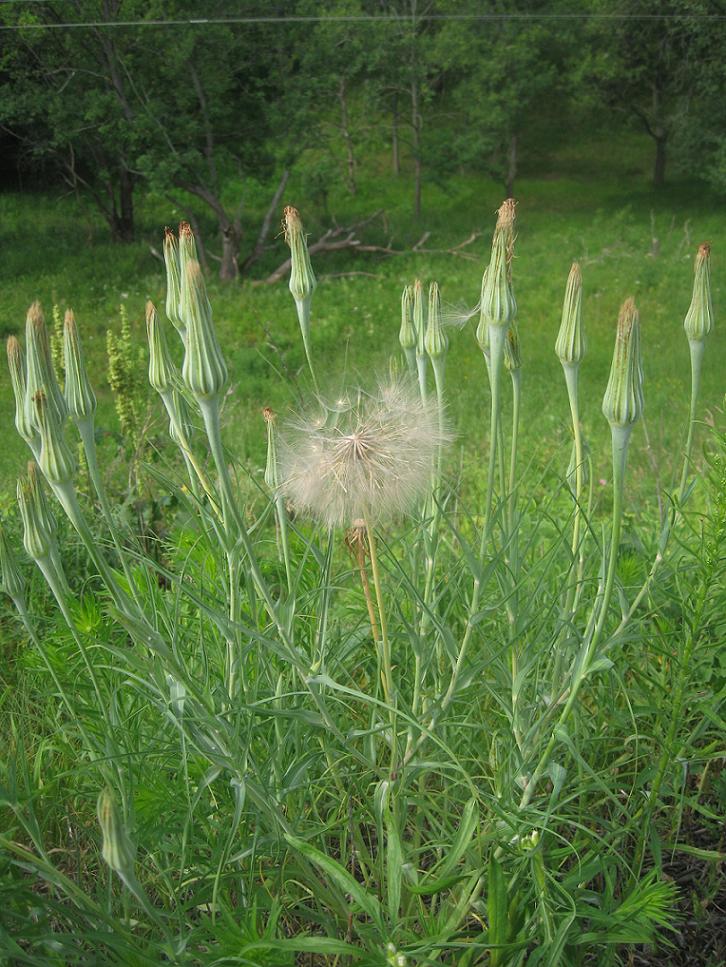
x=570, y=345
x=373, y=462
x=623, y=401
x=79, y=396
x=699, y=318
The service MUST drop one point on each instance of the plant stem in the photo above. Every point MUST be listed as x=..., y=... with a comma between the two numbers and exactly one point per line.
x=387, y=673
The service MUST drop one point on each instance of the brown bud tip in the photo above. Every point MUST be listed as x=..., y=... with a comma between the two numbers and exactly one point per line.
x=35, y=315
x=69, y=320
x=268, y=415
x=506, y=213
x=628, y=314
x=169, y=234
x=291, y=221
x=13, y=347
x=185, y=230
x=576, y=273
x=704, y=251
x=150, y=312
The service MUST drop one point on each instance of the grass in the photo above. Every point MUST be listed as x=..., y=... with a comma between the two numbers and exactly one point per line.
x=273, y=799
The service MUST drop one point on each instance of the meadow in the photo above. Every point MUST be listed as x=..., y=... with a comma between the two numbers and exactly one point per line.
x=489, y=731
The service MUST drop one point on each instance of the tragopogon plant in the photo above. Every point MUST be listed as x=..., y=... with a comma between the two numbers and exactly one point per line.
x=400, y=768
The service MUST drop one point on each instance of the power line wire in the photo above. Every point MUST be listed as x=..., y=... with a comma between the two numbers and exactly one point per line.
x=353, y=18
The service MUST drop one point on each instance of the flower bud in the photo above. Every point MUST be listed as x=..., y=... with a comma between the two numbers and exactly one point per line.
x=40, y=499
x=302, y=277
x=497, y=304
x=419, y=323
x=512, y=349
x=623, y=401
x=13, y=580
x=204, y=370
x=37, y=539
x=271, y=467
x=161, y=367
x=56, y=460
x=570, y=345
x=180, y=420
x=436, y=342
x=17, y=377
x=699, y=318
x=79, y=395
x=117, y=849
x=173, y=281
x=40, y=372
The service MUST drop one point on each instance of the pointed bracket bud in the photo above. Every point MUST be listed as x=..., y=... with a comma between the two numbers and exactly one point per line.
x=117, y=849
x=513, y=349
x=204, y=370
x=436, y=342
x=570, y=346
x=302, y=278
x=419, y=318
x=40, y=372
x=173, y=281
x=13, y=580
x=79, y=396
x=37, y=539
x=407, y=332
x=56, y=460
x=161, y=367
x=17, y=378
x=699, y=318
x=623, y=401
x=497, y=304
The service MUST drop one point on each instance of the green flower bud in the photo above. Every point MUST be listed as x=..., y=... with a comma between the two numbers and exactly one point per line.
x=79, y=395
x=180, y=419
x=512, y=349
x=13, y=580
x=623, y=401
x=407, y=332
x=187, y=253
x=56, y=460
x=302, y=278
x=37, y=539
x=173, y=280
x=204, y=370
x=40, y=499
x=40, y=372
x=117, y=850
x=271, y=468
x=419, y=323
x=482, y=332
x=17, y=377
x=497, y=304
x=161, y=367
x=436, y=342
x=699, y=318
x=570, y=345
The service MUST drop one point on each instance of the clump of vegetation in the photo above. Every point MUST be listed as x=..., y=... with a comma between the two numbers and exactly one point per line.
x=451, y=752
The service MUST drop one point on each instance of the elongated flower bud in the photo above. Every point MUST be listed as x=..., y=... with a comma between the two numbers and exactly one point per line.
x=40, y=373
x=570, y=345
x=419, y=318
x=623, y=401
x=79, y=395
x=187, y=251
x=407, y=332
x=513, y=349
x=161, y=367
x=180, y=419
x=699, y=318
x=272, y=476
x=302, y=278
x=17, y=378
x=436, y=342
x=37, y=539
x=498, y=305
x=204, y=370
x=56, y=460
x=13, y=580
x=117, y=850
x=40, y=499
x=173, y=281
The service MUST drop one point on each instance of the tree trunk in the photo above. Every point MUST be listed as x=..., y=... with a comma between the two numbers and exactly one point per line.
x=395, y=153
x=416, y=125
x=347, y=139
x=659, y=166
x=120, y=216
x=511, y=166
x=231, y=238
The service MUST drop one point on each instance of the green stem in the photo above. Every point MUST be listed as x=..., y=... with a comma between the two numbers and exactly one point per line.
x=387, y=671
x=620, y=437
x=281, y=514
x=303, y=315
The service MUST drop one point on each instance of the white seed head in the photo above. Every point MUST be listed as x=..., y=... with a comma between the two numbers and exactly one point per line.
x=370, y=459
